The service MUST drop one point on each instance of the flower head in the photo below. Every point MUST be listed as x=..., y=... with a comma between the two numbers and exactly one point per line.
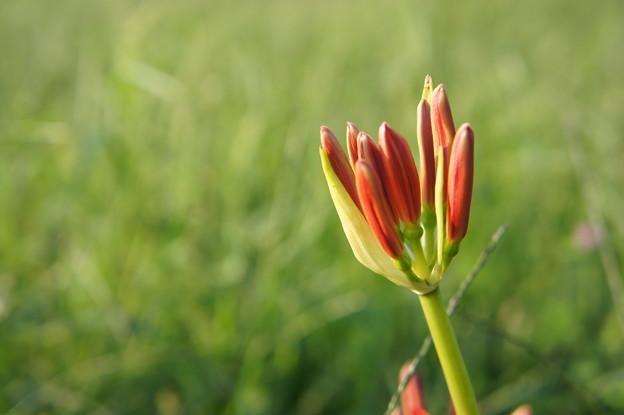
x=382, y=206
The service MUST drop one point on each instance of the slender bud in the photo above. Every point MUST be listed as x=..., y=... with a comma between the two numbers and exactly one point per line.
x=441, y=118
x=427, y=159
x=352, y=143
x=376, y=208
x=339, y=163
x=460, y=177
x=369, y=150
x=403, y=187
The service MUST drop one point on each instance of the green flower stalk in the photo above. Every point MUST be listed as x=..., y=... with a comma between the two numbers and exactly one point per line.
x=397, y=221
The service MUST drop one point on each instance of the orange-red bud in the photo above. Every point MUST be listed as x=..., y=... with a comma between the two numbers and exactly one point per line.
x=442, y=126
x=460, y=177
x=369, y=150
x=412, y=401
x=441, y=118
x=403, y=187
x=376, y=209
x=339, y=163
x=427, y=159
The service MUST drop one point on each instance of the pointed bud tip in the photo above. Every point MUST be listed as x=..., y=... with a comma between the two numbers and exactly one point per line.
x=384, y=128
x=352, y=143
x=326, y=132
x=465, y=129
x=427, y=87
x=351, y=126
x=328, y=139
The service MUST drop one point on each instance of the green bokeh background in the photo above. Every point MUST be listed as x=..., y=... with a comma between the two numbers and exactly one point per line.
x=168, y=244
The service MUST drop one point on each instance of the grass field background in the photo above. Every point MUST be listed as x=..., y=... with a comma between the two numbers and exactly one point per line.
x=168, y=244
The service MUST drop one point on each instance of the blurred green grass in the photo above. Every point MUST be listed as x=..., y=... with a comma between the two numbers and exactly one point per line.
x=168, y=244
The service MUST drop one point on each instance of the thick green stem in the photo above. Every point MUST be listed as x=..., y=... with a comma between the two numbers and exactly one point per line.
x=420, y=266
x=430, y=246
x=449, y=354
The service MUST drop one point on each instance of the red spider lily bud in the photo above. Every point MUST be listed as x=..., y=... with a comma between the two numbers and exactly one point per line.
x=339, y=163
x=369, y=150
x=412, y=401
x=460, y=176
x=403, y=187
x=427, y=160
x=376, y=209
x=441, y=118
x=352, y=143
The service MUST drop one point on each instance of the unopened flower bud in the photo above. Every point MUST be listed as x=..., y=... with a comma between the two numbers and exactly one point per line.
x=441, y=118
x=339, y=163
x=427, y=160
x=376, y=208
x=460, y=177
x=403, y=187
x=369, y=150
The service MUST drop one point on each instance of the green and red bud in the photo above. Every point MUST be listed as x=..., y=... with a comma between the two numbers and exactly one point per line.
x=376, y=208
x=352, y=143
x=402, y=184
x=340, y=163
x=460, y=178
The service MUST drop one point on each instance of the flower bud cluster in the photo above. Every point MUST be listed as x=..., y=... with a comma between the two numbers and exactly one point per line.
x=378, y=191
